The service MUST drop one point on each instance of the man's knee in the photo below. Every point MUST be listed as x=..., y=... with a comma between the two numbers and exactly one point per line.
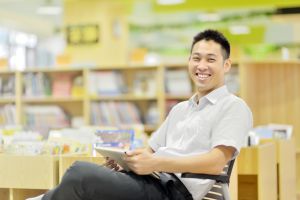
x=76, y=172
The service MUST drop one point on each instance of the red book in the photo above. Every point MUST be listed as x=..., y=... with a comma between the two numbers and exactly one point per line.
x=62, y=85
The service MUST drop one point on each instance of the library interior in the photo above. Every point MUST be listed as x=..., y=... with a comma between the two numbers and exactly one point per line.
x=75, y=74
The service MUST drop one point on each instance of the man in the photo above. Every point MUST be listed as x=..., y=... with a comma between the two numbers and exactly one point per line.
x=200, y=135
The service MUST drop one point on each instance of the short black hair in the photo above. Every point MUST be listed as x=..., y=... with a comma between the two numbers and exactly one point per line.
x=216, y=36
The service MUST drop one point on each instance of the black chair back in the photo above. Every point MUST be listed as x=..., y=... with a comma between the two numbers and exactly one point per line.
x=222, y=180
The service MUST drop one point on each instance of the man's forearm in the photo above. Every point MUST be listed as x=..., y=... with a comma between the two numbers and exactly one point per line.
x=209, y=163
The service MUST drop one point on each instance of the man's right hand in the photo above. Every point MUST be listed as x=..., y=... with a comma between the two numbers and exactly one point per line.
x=110, y=163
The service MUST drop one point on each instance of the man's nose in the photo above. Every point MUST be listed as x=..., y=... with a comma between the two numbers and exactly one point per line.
x=202, y=65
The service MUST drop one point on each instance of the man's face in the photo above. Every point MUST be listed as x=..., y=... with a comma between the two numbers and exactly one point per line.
x=207, y=66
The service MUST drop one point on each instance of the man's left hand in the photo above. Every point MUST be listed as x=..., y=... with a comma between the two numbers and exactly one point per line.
x=140, y=161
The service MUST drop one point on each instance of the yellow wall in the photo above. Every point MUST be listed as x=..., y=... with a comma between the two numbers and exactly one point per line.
x=109, y=50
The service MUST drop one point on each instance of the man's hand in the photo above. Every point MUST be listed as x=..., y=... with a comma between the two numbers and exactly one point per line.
x=140, y=161
x=112, y=164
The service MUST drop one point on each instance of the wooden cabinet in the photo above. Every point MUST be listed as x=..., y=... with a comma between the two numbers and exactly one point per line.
x=26, y=176
x=257, y=173
x=272, y=90
x=286, y=168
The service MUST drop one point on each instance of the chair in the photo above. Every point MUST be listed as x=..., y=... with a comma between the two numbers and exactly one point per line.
x=220, y=190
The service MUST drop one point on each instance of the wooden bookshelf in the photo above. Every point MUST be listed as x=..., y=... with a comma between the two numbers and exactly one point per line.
x=81, y=105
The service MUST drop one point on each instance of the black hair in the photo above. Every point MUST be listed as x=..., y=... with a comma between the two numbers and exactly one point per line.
x=217, y=37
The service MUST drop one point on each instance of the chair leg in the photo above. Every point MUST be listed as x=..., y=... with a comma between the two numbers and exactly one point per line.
x=225, y=191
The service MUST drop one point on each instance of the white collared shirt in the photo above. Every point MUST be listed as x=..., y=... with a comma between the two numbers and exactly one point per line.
x=219, y=118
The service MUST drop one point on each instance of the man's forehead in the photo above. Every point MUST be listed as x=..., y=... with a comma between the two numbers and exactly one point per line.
x=203, y=54
x=207, y=47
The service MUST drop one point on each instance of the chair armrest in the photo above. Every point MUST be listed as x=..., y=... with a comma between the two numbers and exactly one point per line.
x=222, y=178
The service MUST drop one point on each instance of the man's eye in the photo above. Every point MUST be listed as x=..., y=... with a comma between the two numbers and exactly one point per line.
x=196, y=58
x=211, y=60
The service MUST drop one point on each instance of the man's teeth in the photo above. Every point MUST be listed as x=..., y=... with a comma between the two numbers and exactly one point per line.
x=202, y=75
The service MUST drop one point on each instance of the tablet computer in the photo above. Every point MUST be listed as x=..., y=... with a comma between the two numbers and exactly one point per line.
x=117, y=156
x=114, y=154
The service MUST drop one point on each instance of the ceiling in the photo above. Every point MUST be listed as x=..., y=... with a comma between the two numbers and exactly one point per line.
x=21, y=14
x=228, y=4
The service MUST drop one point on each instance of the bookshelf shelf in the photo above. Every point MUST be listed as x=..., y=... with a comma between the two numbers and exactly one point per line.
x=7, y=100
x=177, y=97
x=51, y=99
x=128, y=67
x=53, y=70
x=6, y=72
x=123, y=98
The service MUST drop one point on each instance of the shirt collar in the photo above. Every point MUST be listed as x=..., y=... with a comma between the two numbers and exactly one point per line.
x=212, y=97
x=217, y=94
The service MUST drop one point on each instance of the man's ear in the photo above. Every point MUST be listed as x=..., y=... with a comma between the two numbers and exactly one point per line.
x=227, y=65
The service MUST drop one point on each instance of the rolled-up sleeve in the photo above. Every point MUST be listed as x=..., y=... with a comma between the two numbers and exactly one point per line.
x=232, y=127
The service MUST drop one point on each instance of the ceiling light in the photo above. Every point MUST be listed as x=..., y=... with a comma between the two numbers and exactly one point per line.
x=49, y=10
x=170, y=2
x=209, y=17
x=239, y=30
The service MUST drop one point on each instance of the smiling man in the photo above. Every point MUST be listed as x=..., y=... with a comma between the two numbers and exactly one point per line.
x=200, y=135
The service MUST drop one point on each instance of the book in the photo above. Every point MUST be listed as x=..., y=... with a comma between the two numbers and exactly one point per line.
x=62, y=85
x=119, y=138
x=270, y=131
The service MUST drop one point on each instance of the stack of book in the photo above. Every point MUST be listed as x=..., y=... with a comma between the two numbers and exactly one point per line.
x=106, y=83
x=7, y=115
x=62, y=85
x=43, y=118
x=7, y=86
x=37, y=85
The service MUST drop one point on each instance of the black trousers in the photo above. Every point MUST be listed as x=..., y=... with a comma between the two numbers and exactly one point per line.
x=88, y=181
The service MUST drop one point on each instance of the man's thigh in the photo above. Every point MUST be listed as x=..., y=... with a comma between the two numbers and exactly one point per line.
x=101, y=183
